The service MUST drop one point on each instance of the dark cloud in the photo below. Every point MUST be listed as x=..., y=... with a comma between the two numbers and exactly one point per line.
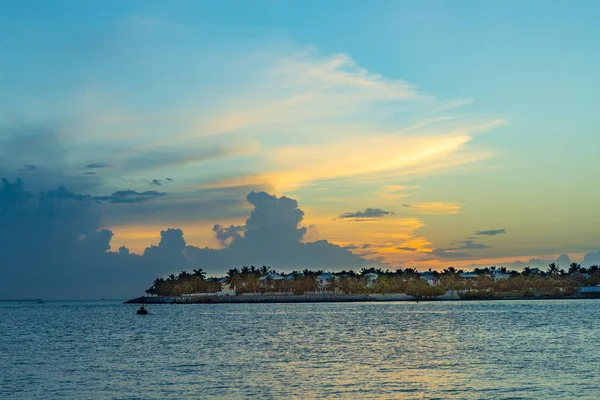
x=492, y=232
x=28, y=167
x=273, y=236
x=406, y=248
x=471, y=245
x=97, y=165
x=169, y=179
x=225, y=235
x=52, y=245
x=355, y=246
x=369, y=213
x=130, y=196
x=28, y=144
x=157, y=182
x=88, y=173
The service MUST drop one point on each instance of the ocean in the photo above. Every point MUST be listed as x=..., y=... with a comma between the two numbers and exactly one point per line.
x=544, y=349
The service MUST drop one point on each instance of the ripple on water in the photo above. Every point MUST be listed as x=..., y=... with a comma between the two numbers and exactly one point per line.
x=445, y=350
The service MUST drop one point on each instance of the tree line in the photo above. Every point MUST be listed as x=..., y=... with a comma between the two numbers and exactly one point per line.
x=554, y=282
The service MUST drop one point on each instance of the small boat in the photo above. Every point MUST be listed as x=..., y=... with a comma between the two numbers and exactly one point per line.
x=142, y=310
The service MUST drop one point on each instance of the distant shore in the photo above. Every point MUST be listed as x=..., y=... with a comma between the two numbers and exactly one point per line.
x=322, y=299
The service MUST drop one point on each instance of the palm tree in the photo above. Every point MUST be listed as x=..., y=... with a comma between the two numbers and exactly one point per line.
x=234, y=279
x=200, y=274
x=264, y=270
x=553, y=269
x=183, y=275
x=449, y=271
x=574, y=267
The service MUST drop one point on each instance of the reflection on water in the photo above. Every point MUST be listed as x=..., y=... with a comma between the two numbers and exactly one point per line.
x=462, y=350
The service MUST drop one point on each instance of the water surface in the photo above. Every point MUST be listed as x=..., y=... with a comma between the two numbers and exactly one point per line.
x=444, y=350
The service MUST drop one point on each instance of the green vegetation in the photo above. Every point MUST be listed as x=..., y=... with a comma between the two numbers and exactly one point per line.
x=183, y=283
x=482, y=283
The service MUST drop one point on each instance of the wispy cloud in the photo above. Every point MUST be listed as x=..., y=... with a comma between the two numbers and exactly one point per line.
x=98, y=165
x=130, y=196
x=471, y=245
x=369, y=213
x=492, y=232
x=407, y=248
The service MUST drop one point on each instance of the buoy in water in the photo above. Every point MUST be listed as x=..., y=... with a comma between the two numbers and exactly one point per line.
x=142, y=311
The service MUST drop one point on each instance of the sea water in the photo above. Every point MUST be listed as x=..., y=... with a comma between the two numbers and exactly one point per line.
x=428, y=350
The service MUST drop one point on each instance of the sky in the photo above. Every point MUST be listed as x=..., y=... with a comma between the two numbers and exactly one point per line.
x=154, y=135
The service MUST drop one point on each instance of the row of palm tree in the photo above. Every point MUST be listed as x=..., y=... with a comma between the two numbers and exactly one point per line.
x=184, y=283
x=530, y=282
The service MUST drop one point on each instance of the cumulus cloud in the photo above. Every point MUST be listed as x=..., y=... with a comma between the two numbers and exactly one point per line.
x=492, y=232
x=52, y=245
x=563, y=260
x=273, y=236
x=225, y=235
x=369, y=213
x=591, y=258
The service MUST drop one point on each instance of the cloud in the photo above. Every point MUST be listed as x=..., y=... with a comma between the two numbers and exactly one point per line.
x=28, y=167
x=450, y=254
x=53, y=246
x=471, y=245
x=97, y=165
x=88, y=173
x=406, y=248
x=225, y=235
x=591, y=258
x=131, y=196
x=273, y=236
x=492, y=232
x=425, y=208
x=369, y=213
x=156, y=182
x=563, y=260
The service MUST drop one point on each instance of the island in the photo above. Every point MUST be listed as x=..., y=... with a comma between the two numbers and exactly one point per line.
x=250, y=284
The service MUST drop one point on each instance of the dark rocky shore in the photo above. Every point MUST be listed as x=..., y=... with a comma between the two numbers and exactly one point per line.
x=322, y=299
x=250, y=299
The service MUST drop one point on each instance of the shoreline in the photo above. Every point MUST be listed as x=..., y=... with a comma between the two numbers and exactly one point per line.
x=258, y=299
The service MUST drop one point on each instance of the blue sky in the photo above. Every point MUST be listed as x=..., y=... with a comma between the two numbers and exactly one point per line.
x=456, y=117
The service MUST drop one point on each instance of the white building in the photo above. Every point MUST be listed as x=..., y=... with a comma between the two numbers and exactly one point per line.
x=498, y=274
x=430, y=277
x=324, y=279
x=272, y=276
x=371, y=278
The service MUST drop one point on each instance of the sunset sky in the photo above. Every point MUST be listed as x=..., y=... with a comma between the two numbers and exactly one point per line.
x=412, y=133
